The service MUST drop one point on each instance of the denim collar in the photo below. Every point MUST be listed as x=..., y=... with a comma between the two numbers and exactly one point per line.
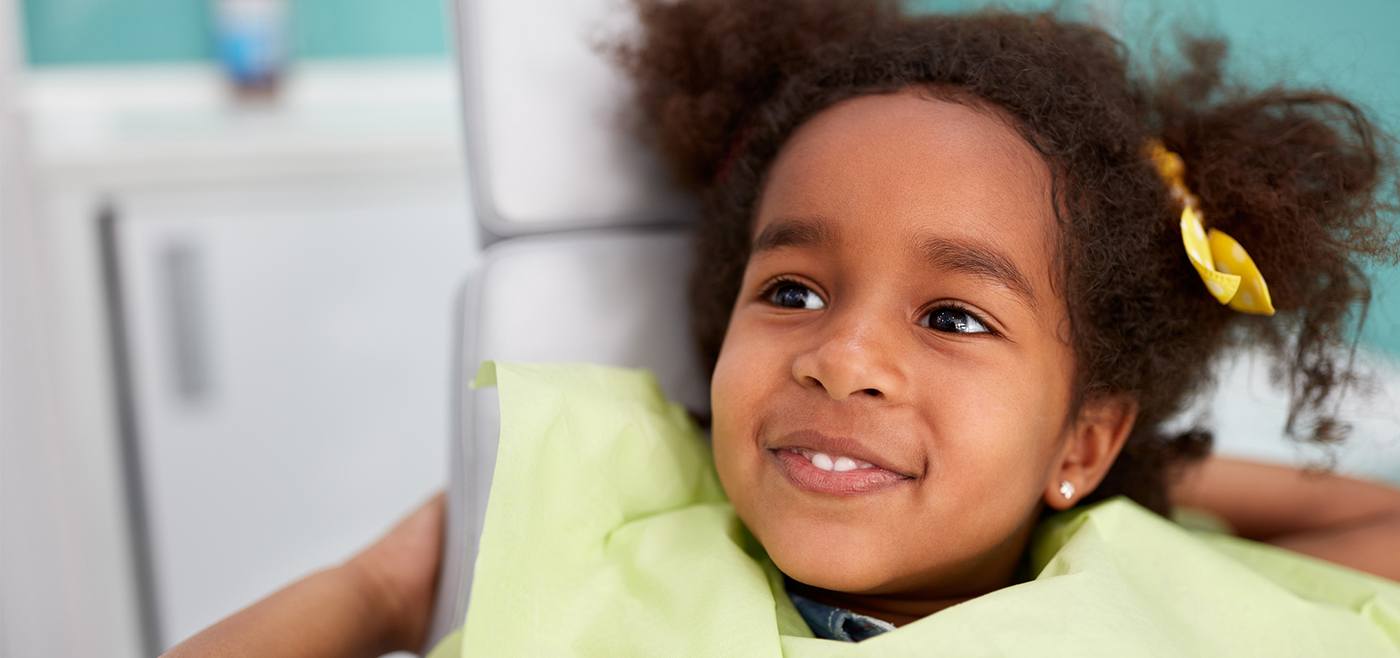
x=833, y=623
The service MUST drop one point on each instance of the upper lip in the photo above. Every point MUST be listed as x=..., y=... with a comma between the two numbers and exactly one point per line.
x=835, y=446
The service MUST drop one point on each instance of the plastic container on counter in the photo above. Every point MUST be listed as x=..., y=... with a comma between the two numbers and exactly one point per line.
x=252, y=43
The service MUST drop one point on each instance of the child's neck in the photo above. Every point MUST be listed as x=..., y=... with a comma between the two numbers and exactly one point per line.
x=897, y=611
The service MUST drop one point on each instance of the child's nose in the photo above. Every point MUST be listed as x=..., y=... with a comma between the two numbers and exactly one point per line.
x=852, y=358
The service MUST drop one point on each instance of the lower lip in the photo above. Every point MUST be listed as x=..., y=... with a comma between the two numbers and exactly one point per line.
x=802, y=474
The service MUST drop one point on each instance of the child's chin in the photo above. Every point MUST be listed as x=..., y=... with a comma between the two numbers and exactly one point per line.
x=843, y=554
x=845, y=570
x=840, y=583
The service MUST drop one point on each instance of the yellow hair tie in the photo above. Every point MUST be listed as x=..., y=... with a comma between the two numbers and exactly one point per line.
x=1229, y=273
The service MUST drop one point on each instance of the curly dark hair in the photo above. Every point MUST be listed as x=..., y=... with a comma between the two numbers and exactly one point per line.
x=1298, y=176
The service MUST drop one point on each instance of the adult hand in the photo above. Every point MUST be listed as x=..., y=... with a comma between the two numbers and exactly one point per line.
x=378, y=602
x=403, y=566
x=1348, y=521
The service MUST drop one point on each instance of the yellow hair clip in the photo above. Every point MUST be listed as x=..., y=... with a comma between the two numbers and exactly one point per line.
x=1227, y=270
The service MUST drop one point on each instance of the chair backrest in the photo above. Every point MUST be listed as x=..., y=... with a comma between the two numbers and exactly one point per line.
x=589, y=249
x=549, y=143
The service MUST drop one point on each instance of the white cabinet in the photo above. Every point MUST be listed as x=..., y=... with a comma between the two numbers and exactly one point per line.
x=273, y=388
x=289, y=345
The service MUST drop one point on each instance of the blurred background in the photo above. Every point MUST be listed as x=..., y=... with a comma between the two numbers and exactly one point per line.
x=231, y=233
x=244, y=223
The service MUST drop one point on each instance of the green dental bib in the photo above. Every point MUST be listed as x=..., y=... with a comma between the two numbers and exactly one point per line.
x=607, y=534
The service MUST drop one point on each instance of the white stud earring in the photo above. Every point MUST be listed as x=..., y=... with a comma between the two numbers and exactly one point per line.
x=1066, y=489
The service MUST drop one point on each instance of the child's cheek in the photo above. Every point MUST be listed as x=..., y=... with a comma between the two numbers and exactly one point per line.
x=736, y=391
x=1015, y=421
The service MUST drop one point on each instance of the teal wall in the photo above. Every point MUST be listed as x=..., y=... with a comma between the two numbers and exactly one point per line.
x=132, y=31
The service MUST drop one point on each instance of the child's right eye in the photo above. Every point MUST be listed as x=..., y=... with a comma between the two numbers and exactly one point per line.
x=791, y=294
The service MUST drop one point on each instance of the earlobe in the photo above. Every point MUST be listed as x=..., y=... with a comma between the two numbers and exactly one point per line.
x=1095, y=439
x=1061, y=496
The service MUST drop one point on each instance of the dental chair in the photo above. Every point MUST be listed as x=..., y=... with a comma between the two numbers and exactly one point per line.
x=588, y=253
x=587, y=249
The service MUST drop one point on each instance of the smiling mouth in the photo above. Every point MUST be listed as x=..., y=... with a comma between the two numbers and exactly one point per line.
x=819, y=472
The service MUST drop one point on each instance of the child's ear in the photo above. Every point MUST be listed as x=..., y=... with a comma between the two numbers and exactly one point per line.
x=1093, y=442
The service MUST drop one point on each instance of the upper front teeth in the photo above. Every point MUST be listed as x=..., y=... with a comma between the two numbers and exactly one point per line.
x=839, y=464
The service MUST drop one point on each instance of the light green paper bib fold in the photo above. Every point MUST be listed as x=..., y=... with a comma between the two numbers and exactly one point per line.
x=607, y=534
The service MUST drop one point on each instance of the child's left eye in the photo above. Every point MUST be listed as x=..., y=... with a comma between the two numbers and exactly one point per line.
x=954, y=320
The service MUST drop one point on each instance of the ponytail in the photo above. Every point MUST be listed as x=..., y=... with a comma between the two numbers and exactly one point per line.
x=1299, y=177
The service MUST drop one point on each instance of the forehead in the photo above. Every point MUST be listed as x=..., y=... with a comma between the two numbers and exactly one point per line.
x=886, y=168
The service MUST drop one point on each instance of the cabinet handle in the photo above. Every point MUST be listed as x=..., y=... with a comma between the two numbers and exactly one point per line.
x=182, y=269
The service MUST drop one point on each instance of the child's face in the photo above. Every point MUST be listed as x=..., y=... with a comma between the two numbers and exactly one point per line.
x=918, y=325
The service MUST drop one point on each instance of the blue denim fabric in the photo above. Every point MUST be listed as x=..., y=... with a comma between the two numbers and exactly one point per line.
x=838, y=623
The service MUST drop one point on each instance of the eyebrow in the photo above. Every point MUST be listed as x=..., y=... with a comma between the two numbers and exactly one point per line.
x=977, y=260
x=941, y=253
x=795, y=232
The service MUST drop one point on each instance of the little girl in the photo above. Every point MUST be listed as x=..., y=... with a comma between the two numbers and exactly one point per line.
x=956, y=276
x=940, y=245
